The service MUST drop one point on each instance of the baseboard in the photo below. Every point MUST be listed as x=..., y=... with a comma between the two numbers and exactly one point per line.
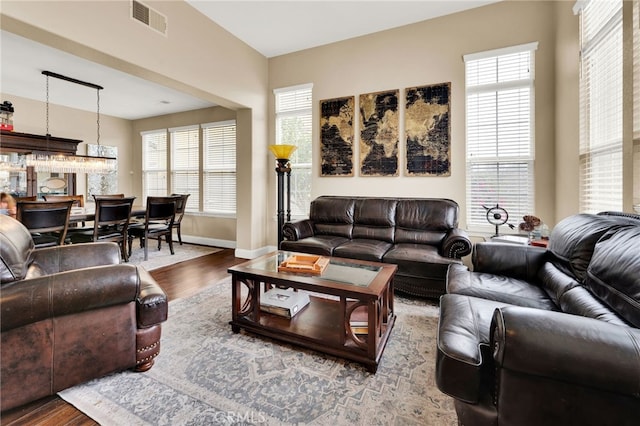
x=204, y=241
x=252, y=254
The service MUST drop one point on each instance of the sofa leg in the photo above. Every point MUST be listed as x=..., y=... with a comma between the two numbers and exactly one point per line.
x=145, y=366
x=147, y=347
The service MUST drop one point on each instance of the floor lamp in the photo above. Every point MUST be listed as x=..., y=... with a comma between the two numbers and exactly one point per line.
x=282, y=154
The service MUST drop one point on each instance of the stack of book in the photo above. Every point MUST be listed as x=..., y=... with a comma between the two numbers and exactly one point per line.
x=285, y=303
x=359, y=321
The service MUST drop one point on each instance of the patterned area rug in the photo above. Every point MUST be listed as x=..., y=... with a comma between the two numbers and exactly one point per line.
x=163, y=257
x=205, y=374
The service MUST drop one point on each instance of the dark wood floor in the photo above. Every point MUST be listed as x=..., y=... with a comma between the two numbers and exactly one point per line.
x=178, y=281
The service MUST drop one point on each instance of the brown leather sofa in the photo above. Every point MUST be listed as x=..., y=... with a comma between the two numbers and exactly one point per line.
x=70, y=314
x=546, y=336
x=420, y=235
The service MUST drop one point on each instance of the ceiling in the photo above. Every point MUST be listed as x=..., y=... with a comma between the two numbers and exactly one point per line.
x=271, y=27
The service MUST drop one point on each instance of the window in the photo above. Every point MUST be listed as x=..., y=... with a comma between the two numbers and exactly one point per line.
x=185, y=164
x=202, y=163
x=500, y=123
x=219, y=168
x=154, y=163
x=293, y=127
x=601, y=106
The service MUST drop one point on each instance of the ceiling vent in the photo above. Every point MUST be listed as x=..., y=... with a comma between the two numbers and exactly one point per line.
x=149, y=17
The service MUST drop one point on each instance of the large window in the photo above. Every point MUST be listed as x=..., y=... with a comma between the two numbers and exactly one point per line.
x=601, y=103
x=154, y=163
x=199, y=160
x=185, y=164
x=219, y=168
x=500, y=123
x=293, y=127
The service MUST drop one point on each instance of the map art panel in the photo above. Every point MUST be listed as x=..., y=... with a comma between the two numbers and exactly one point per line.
x=428, y=130
x=379, y=133
x=336, y=136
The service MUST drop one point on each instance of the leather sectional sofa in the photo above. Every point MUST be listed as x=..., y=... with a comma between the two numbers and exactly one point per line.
x=70, y=314
x=420, y=235
x=551, y=336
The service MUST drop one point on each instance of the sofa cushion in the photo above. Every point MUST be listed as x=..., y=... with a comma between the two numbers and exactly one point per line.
x=425, y=221
x=418, y=260
x=374, y=218
x=573, y=239
x=16, y=250
x=580, y=301
x=613, y=273
x=499, y=288
x=464, y=352
x=363, y=249
x=320, y=244
x=332, y=215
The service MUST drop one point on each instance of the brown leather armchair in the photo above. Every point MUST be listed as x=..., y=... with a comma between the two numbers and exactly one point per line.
x=70, y=314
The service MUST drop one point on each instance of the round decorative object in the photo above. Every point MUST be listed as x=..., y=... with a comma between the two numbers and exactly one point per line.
x=497, y=216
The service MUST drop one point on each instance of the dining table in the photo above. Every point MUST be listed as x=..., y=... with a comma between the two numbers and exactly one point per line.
x=84, y=214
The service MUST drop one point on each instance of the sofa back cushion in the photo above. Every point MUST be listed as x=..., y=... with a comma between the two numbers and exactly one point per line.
x=614, y=272
x=374, y=218
x=573, y=239
x=332, y=215
x=425, y=221
x=16, y=248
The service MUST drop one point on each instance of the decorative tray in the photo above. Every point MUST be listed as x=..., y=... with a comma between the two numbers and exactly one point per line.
x=304, y=264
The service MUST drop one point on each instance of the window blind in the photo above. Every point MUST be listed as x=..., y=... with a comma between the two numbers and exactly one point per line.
x=601, y=106
x=293, y=127
x=185, y=164
x=154, y=163
x=219, y=167
x=500, y=122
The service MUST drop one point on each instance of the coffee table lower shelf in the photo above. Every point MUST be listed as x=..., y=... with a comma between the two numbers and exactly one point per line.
x=320, y=326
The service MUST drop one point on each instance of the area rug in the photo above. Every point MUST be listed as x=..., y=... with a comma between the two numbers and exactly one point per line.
x=207, y=375
x=163, y=257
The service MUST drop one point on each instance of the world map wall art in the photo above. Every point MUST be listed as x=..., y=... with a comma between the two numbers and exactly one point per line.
x=379, y=133
x=336, y=136
x=428, y=130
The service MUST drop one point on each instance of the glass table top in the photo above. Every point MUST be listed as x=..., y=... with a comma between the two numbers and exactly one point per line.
x=343, y=272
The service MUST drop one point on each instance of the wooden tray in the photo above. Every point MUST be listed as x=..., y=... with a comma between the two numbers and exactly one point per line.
x=311, y=264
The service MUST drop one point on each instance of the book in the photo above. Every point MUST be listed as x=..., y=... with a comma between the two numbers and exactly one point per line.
x=359, y=321
x=285, y=303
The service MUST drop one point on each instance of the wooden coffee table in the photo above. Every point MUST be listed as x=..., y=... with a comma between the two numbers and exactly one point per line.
x=345, y=286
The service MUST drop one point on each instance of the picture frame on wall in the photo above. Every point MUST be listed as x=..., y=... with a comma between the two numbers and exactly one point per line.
x=379, y=133
x=428, y=130
x=336, y=136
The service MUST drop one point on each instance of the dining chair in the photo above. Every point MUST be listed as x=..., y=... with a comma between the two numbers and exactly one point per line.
x=111, y=223
x=181, y=205
x=26, y=198
x=78, y=200
x=95, y=197
x=47, y=221
x=158, y=222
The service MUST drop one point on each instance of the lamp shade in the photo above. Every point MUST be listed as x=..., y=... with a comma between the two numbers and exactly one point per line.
x=282, y=152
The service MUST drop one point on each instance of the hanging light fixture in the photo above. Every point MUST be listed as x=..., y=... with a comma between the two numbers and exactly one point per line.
x=60, y=163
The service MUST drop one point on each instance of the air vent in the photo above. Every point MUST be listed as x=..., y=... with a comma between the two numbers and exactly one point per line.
x=149, y=17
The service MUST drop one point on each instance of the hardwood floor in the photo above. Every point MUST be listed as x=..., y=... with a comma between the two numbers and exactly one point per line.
x=178, y=281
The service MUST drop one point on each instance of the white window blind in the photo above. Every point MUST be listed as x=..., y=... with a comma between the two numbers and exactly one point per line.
x=185, y=164
x=219, y=168
x=293, y=127
x=601, y=106
x=154, y=163
x=500, y=123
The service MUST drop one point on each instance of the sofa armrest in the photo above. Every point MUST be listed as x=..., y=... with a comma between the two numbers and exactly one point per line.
x=294, y=231
x=152, y=303
x=456, y=244
x=513, y=260
x=569, y=349
x=32, y=300
x=52, y=260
